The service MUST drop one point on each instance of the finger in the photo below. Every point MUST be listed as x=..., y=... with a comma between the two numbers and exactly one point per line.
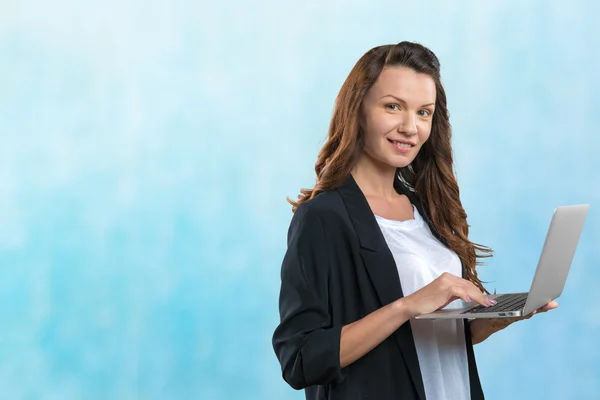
x=466, y=290
x=550, y=306
x=473, y=291
x=457, y=292
x=468, y=295
x=479, y=297
x=450, y=300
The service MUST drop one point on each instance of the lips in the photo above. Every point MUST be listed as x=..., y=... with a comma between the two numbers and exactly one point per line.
x=402, y=142
x=401, y=148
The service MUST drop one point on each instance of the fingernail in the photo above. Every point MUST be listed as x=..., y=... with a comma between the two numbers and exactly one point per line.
x=468, y=299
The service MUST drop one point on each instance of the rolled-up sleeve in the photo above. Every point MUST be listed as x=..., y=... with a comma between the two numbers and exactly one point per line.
x=306, y=341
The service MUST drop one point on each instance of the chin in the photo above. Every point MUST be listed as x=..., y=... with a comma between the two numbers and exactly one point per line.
x=403, y=165
x=400, y=163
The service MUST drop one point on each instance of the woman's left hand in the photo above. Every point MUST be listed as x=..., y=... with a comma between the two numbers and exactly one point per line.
x=550, y=306
x=482, y=328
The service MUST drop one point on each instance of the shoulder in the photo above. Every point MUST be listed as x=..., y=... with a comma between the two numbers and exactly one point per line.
x=324, y=206
x=325, y=213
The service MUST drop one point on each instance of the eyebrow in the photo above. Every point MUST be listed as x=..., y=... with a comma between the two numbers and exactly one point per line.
x=402, y=101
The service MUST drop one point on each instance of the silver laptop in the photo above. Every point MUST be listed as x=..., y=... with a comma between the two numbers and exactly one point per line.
x=549, y=279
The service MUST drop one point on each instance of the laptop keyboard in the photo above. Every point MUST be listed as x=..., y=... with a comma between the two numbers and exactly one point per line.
x=506, y=302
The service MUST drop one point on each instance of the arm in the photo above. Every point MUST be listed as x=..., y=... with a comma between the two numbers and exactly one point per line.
x=482, y=328
x=306, y=342
x=365, y=334
x=362, y=336
x=310, y=349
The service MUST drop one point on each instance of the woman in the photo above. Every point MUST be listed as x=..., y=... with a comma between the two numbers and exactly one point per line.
x=379, y=240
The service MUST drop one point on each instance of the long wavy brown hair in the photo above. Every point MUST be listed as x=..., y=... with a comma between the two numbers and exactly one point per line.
x=430, y=175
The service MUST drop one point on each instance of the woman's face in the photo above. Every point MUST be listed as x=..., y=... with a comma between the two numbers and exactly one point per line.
x=398, y=112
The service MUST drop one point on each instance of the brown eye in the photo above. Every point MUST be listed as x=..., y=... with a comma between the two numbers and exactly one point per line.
x=393, y=105
x=425, y=113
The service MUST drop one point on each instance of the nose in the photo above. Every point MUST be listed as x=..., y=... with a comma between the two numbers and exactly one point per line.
x=408, y=125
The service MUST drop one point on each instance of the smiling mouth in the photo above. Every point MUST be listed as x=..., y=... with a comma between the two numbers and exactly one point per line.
x=401, y=145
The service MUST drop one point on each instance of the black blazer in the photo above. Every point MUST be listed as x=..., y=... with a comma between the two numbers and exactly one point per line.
x=337, y=269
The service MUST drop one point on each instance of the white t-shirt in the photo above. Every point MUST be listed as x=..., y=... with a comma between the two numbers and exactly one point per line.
x=441, y=349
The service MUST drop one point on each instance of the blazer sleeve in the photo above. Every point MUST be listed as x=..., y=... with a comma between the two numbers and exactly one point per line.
x=306, y=342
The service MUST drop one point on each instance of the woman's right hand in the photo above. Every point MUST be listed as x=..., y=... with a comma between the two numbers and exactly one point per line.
x=441, y=292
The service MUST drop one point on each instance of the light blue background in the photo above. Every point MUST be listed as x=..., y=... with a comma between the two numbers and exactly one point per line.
x=146, y=150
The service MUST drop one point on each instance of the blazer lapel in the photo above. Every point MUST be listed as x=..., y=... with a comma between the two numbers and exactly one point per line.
x=381, y=268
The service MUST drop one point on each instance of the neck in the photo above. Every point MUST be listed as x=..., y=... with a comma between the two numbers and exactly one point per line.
x=375, y=179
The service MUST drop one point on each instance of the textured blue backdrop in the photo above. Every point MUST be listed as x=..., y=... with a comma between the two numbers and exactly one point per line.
x=146, y=150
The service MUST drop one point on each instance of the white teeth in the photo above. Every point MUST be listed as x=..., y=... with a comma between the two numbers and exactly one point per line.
x=405, y=145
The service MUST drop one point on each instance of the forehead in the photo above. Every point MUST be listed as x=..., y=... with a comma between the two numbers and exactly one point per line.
x=405, y=83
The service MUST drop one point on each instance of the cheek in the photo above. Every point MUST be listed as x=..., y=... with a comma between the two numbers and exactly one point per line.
x=424, y=132
x=385, y=124
x=379, y=127
x=371, y=131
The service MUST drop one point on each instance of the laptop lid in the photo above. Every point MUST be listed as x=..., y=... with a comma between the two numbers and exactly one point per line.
x=557, y=255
